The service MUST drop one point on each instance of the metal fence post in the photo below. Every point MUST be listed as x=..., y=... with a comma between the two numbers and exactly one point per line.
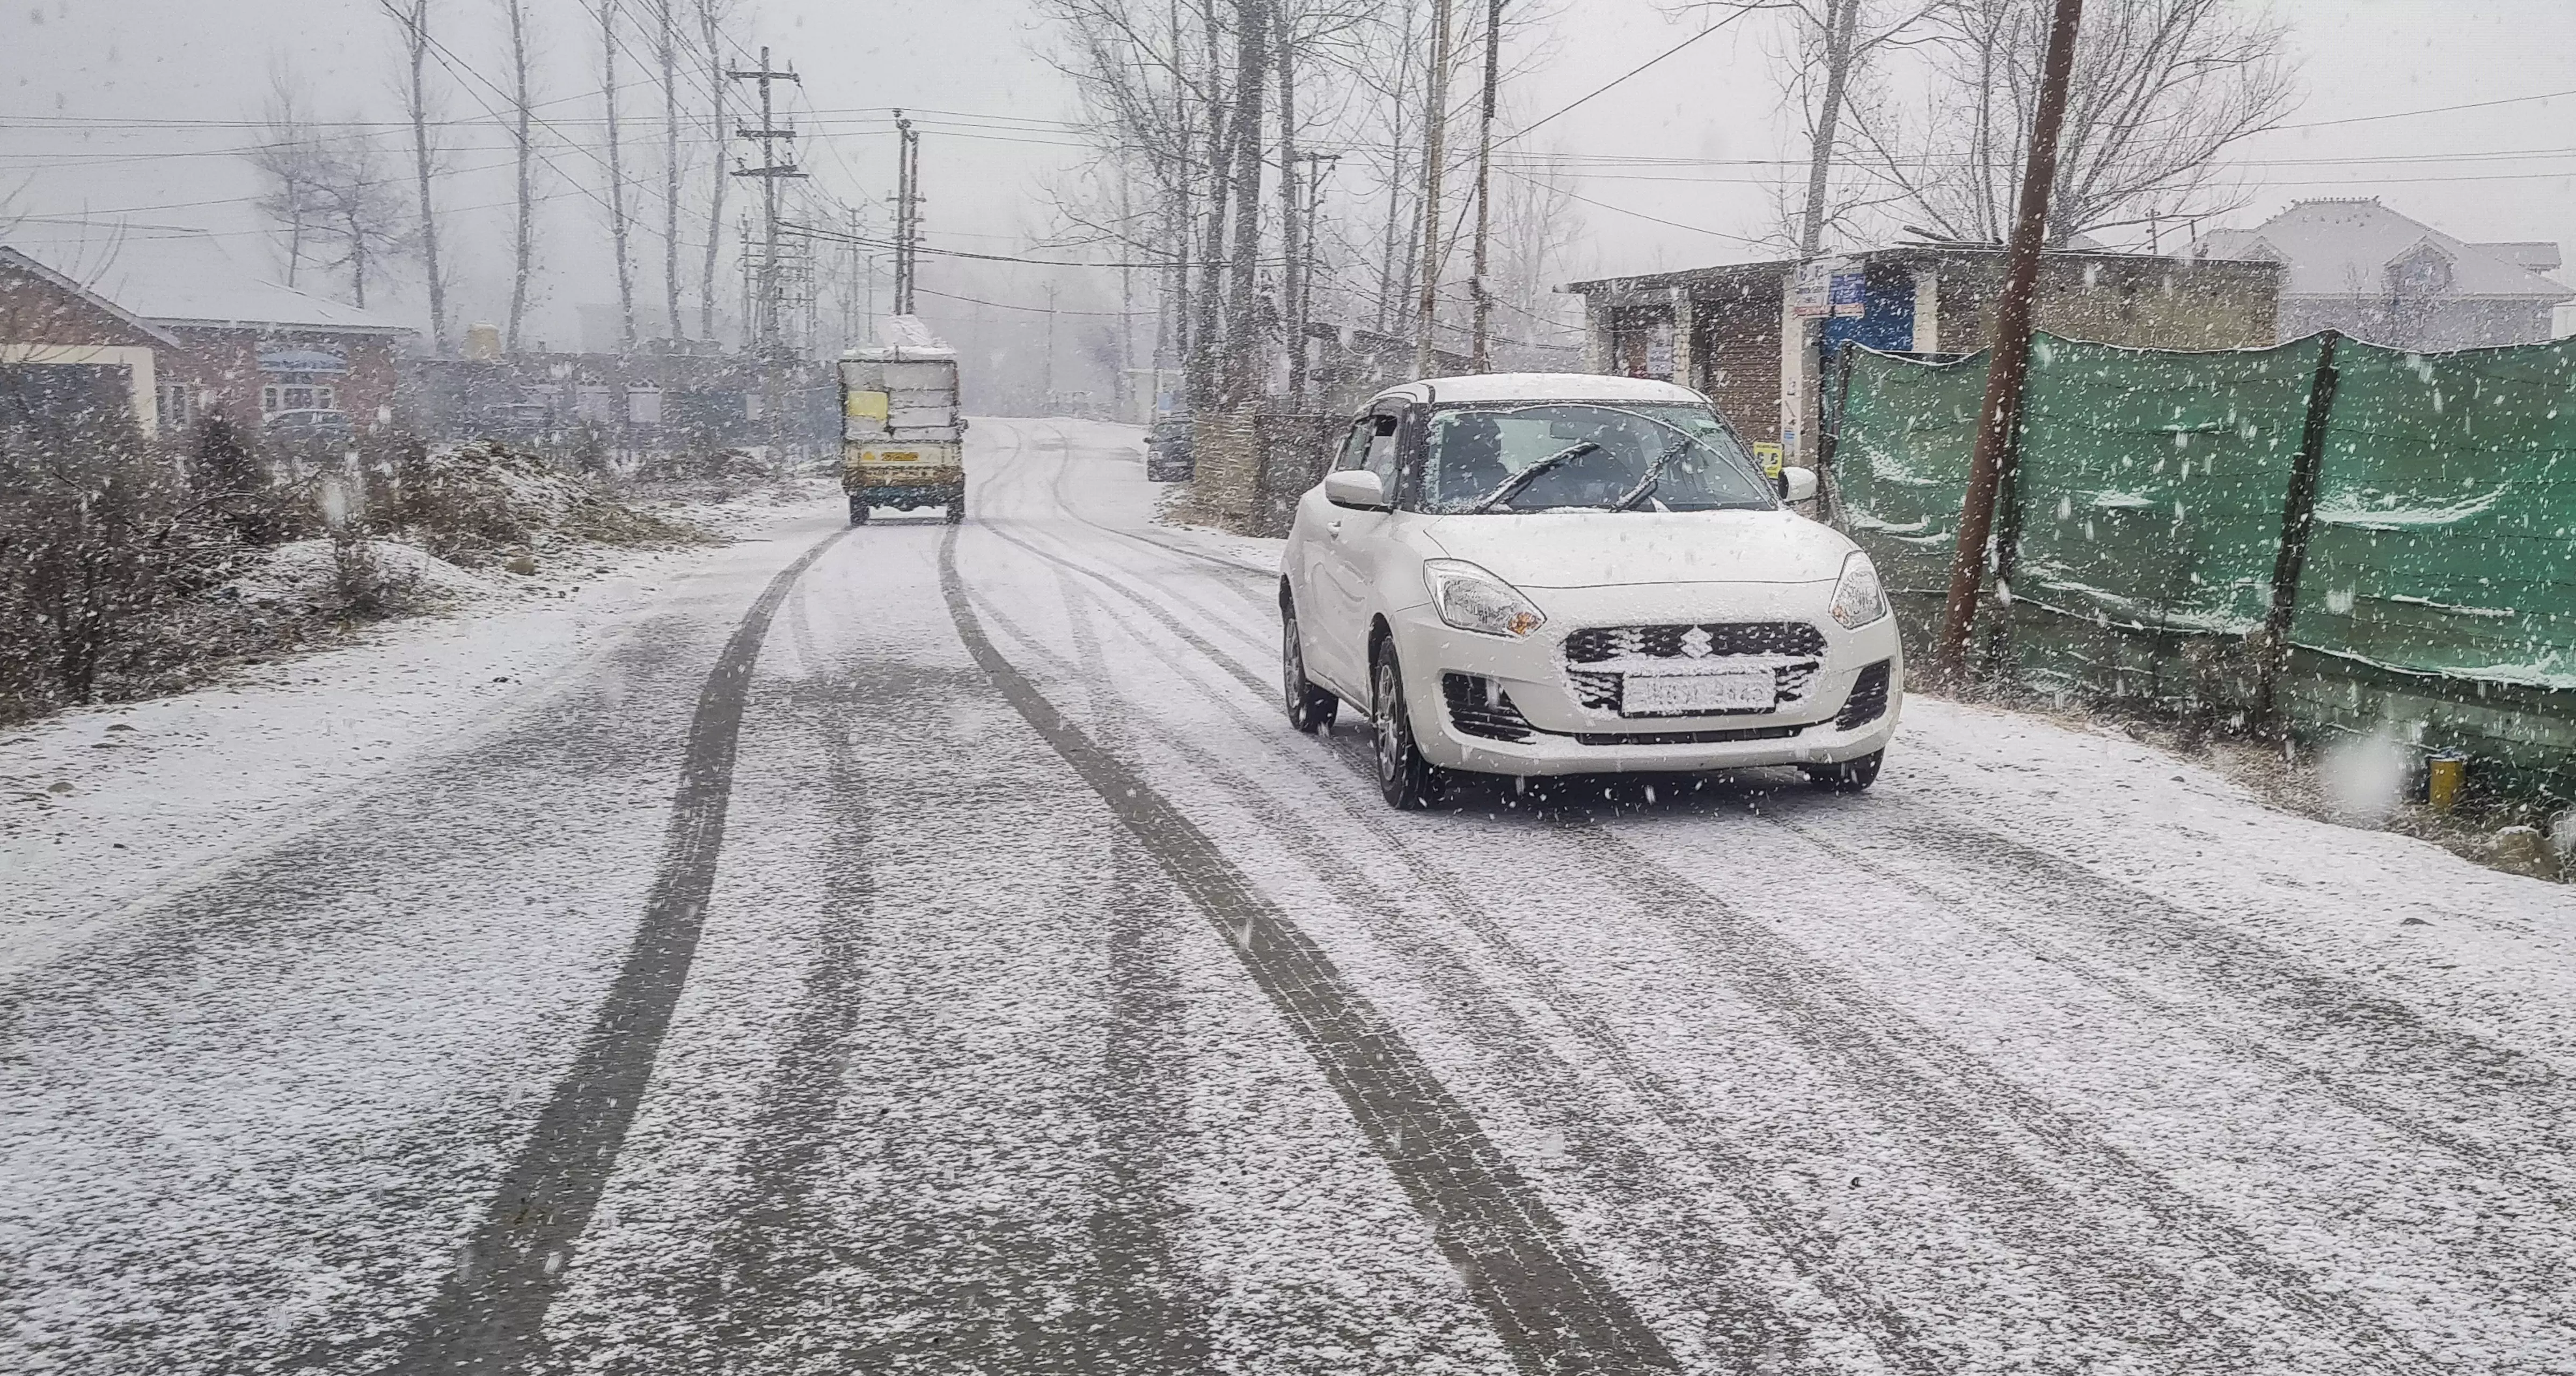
x=2298, y=513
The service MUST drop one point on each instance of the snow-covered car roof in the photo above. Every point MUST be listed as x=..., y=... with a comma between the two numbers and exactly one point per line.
x=1544, y=387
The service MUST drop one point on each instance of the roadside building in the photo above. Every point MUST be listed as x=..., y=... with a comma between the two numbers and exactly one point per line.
x=65, y=348
x=2362, y=268
x=1758, y=342
x=258, y=351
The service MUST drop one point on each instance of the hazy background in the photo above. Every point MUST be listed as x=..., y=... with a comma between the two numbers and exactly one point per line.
x=122, y=120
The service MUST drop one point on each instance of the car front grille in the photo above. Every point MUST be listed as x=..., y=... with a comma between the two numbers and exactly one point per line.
x=1868, y=700
x=1593, y=644
x=1476, y=711
x=1794, y=651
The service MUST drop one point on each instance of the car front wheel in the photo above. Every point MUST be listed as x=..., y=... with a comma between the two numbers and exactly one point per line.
x=1407, y=779
x=1850, y=776
x=1310, y=709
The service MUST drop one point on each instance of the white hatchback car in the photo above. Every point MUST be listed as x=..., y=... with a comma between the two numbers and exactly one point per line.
x=1533, y=574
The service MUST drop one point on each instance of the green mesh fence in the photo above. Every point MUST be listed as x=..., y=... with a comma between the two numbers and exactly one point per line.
x=2151, y=493
x=2438, y=601
x=1899, y=467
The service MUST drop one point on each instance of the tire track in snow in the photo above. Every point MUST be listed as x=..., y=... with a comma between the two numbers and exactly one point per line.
x=1149, y=1315
x=2173, y=936
x=769, y=1251
x=1754, y=1333
x=489, y=1314
x=2072, y=1249
x=2302, y=1004
x=1952, y=1098
x=1550, y=1306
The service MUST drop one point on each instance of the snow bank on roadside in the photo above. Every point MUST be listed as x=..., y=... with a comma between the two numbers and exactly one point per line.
x=303, y=576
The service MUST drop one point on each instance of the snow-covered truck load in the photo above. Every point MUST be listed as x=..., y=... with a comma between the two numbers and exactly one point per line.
x=902, y=441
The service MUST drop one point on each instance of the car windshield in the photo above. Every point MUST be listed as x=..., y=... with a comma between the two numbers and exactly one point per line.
x=1547, y=456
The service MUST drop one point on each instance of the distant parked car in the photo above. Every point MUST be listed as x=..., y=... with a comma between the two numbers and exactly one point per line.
x=312, y=424
x=1169, y=457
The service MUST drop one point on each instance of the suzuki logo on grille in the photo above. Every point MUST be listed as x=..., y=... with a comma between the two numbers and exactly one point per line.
x=1695, y=642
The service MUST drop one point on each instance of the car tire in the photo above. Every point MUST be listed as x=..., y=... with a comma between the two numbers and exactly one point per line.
x=858, y=512
x=1407, y=779
x=1850, y=776
x=1310, y=709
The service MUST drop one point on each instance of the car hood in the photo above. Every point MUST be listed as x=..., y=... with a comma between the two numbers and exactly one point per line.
x=1592, y=549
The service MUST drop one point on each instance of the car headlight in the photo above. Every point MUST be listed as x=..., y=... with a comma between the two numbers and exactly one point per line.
x=1858, y=599
x=1471, y=599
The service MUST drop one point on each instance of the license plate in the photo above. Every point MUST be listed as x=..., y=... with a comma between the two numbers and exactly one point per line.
x=1717, y=691
x=899, y=456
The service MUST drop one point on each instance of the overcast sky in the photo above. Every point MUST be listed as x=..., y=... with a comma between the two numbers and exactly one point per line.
x=130, y=111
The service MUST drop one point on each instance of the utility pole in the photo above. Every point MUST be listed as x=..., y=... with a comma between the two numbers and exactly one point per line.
x=2001, y=416
x=1434, y=153
x=1484, y=350
x=1318, y=166
x=1049, y=374
x=852, y=318
x=907, y=210
x=766, y=326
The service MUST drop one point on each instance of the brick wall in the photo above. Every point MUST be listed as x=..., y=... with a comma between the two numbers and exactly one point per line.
x=1252, y=466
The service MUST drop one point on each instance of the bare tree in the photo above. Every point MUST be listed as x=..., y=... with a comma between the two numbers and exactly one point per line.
x=292, y=159
x=1833, y=45
x=1536, y=230
x=523, y=241
x=1252, y=66
x=363, y=218
x=606, y=13
x=413, y=17
x=2161, y=89
x=711, y=16
x=667, y=50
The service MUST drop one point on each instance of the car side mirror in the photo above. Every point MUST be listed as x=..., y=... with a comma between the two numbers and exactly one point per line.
x=1355, y=487
x=1797, y=484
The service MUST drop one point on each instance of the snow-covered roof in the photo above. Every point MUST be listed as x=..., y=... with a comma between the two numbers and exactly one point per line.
x=2338, y=247
x=1544, y=387
x=59, y=282
x=196, y=280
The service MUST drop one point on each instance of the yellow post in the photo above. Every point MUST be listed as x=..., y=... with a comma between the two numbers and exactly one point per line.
x=2442, y=785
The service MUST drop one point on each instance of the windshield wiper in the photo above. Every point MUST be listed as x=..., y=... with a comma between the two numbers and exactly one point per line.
x=1514, y=485
x=1654, y=476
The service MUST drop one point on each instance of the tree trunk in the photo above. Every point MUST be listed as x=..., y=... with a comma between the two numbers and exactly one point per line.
x=416, y=39
x=1243, y=342
x=1483, y=350
x=1842, y=18
x=716, y=83
x=1434, y=154
x=1292, y=229
x=1203, y=325
x=670, y=56
x=616, y=177
x=523, y=241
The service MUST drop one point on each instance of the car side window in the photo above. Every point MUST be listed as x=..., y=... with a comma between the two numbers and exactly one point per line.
x=1381, y=449
x=1355, y=445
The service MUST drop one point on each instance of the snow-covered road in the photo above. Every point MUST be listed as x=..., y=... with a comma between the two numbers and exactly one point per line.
x=928, y=949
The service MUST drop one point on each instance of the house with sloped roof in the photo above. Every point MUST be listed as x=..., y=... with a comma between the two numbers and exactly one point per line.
x=65, y=349
x=2366, y=270
x=248, y=346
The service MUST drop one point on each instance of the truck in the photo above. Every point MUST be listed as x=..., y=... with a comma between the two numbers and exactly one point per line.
x=902, y=441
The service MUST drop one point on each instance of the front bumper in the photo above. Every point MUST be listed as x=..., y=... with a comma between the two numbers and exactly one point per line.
x=1565, y=735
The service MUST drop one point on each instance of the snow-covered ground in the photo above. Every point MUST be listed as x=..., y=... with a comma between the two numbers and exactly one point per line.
x=100, y=807
x=1044, y=1002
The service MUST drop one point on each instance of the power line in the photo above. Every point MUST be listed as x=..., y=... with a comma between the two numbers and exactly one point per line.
x=2427, y=110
